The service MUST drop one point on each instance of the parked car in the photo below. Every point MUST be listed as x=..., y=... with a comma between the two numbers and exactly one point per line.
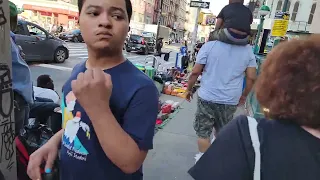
x=74, y=36
x=38, y=44
x=140, y=44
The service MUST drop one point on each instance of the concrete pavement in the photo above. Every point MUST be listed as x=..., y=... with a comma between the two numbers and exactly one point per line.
x=174, y=148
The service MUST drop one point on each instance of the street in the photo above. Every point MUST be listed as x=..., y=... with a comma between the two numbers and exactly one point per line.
x=77, y=54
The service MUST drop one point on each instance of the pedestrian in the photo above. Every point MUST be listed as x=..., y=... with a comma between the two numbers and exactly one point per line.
x=233, y=24
x=21, y=77
x=109, y=106
x=223, y=67
x=288, y=88
x=45, y=89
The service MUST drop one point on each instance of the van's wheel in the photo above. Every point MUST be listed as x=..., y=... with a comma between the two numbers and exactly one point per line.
x=60, y=55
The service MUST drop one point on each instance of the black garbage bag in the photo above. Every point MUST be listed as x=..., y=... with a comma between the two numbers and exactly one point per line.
x=27, y=143
x=34, y=137
x=158, y=79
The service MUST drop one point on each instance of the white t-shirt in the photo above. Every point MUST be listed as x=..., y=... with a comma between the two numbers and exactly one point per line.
x=224, y=71
x=46, y=93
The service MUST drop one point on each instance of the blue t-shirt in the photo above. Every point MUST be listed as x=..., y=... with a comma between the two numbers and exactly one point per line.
x=134, y=103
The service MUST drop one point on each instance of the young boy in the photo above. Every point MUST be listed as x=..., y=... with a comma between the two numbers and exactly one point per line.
x=233, y=24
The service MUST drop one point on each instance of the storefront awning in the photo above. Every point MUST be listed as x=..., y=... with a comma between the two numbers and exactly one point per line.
x=50, y=10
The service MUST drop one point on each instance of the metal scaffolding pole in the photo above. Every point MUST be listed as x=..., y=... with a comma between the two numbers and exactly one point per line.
x=159, y=20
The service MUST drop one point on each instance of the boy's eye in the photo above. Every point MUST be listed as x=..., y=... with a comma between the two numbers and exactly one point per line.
x=93, y=13
x=117, y=16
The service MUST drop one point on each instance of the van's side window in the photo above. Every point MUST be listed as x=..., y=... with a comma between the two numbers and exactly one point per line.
x=35, y=31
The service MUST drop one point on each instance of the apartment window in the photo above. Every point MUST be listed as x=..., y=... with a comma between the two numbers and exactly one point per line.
x=288, y=5
x=279, y=6
x=295, y=11
x=313, y=9
x=148, y=20
x=141, y=18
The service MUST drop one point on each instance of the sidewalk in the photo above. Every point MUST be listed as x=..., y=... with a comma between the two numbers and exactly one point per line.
x=174, y=147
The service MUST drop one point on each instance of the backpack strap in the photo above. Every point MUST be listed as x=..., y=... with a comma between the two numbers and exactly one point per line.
x=252, y=123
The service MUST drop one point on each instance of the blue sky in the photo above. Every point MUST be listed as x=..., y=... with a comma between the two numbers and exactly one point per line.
x=217, y=5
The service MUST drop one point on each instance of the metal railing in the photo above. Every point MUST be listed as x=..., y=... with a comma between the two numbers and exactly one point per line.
x=299, y=26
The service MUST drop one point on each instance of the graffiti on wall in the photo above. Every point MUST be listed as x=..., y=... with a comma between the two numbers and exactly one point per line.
x=6, y=121
x=7, y=134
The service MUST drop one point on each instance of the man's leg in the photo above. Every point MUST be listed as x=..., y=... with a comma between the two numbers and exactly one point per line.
x=203, y=124
x=42, y=111
x=224, y=35
x=223, y=115
x=21, y=112
x=232, y=38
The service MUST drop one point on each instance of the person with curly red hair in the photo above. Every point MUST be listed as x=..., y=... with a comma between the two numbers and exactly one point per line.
x=289, y=141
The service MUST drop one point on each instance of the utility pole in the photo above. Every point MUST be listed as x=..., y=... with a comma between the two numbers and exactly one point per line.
x=8, y=165
x=159, y=21
x=195, y=32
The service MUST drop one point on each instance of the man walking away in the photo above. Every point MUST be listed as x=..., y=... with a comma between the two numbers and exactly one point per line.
x=224, y=67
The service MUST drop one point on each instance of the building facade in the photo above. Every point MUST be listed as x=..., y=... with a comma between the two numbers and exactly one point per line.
x=143, y=13
x=302, y=13
x=173, y=13
x=192, y=18
x=47, y=13
x=315, y=25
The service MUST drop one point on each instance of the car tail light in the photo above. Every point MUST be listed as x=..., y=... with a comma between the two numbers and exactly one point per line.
x=143, y=42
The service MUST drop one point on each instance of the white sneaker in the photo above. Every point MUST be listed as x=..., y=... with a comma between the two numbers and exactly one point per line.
x=198, y=156
x=213, y=138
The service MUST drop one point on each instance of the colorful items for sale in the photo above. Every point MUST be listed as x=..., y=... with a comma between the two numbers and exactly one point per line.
x=175, y=89
x=165, y=110
x=148, y=70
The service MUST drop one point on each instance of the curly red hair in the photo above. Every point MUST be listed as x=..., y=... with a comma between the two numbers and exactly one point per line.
x=289, y=83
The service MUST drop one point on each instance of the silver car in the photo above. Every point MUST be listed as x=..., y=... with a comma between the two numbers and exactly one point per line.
x=38, y=44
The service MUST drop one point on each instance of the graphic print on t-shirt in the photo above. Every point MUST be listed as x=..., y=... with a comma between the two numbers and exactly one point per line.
x=72, y=125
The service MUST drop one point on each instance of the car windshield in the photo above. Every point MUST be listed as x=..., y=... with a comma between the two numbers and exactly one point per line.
x=148, y=39
x=76, y=31
x=135, y=37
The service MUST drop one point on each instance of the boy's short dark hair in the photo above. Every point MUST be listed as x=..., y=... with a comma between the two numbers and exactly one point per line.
x=128, y=7
x=44, y=80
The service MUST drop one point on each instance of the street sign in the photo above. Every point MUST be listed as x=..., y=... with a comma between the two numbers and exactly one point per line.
x=280, y=24
x=200, y=4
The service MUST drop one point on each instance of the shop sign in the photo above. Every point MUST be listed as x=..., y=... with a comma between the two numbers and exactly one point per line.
x=280, y=24
x=210, y=20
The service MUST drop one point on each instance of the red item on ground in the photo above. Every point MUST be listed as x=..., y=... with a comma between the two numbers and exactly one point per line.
x=166, y=108
x=158, y=121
